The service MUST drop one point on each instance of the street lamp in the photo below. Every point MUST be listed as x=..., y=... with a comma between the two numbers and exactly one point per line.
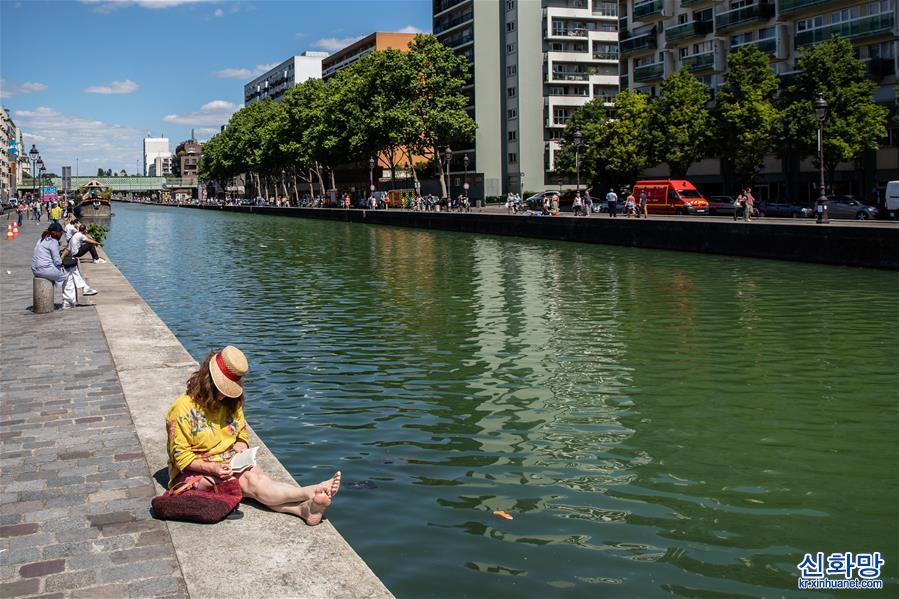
x=371, y=177
x=40, y=181
x=449, y=185
x=578, y=141
x=820, y=105
x=33, y=155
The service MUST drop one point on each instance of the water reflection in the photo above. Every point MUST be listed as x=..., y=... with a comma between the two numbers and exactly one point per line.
x=656, y=422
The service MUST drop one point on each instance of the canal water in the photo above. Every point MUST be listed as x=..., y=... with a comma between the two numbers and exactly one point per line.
x=656, y=423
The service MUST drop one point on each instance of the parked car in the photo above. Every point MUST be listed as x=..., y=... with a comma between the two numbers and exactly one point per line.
x=535, y=202
x=849, y=207
x=566, y=199
x=783, y=209
x=671, y=196
x=721, y=206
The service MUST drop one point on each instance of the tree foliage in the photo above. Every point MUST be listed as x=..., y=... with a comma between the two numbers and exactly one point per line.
x=616, y=140
x=389, y=104
x=680, y=125
x=745, y=113
x=854, y=122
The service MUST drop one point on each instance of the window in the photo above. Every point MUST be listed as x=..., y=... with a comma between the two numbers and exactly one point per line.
x=513, y=135
x=511, y=113
x=513, y=157
x=510, y=48
x=510, y=26
x=703, y=15
x=510, y=4
x=510, y=92
x=511, y=70
x=767, y=33
x=810, y=23
x=682, y=18
x=742, y=38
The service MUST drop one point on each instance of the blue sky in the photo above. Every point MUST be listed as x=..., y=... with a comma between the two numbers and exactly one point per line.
x=102, y=73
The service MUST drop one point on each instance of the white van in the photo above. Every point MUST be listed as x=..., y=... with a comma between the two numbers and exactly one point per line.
x=892, y=199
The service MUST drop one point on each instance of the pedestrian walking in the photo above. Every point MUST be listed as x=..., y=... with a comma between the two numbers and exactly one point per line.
x=630, y=205
x=644, y=209
x=749, y=200
x=612, y=203
x=588, y=203
x=20, y=212
x=578, y=204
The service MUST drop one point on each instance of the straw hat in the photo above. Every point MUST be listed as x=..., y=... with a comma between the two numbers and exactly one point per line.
x=227, y=368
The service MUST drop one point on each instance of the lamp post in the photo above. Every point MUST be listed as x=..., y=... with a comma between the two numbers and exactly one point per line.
x=578, y=141
x=449, y=185
x=33, y=156
x=40, y=181
x=820, y=105
x=371, y=176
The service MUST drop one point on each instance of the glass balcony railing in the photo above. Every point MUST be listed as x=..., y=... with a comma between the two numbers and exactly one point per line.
x=686, y=3
x=605, y=56
x=867, y=26
x=649, y=72
x=464, y=17
x=647, y=10
x=698, y=62
x=638, y=43
x=570, y=76
x=688, y=30
x=790, y=6
x=605, y=9
x=569, y=32
x=746, y=14
x=768, y=45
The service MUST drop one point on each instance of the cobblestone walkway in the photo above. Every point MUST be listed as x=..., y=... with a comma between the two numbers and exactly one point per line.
x=75, y=487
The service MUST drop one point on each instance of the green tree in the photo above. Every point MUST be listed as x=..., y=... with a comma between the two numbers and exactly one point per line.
x=745, y=113
x=681, y=125
x=854, y=122
x=616, y=140
x=437, y=107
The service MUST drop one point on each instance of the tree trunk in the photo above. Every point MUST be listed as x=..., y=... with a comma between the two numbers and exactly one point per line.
x=321, y=181
x=311, y=186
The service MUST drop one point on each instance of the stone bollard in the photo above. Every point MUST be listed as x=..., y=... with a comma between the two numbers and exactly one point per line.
x=43, y=296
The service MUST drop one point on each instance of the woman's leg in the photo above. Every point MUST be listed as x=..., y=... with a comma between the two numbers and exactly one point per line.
x=308, y=503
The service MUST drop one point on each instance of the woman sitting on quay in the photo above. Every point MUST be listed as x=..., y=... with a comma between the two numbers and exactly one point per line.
x=206, y=428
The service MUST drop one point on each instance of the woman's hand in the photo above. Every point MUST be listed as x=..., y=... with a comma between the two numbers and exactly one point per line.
x=240, y=447
x=222, y=470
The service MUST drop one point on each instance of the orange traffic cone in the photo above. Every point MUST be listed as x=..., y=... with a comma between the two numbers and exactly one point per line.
x=9, y=234
x=15, y=230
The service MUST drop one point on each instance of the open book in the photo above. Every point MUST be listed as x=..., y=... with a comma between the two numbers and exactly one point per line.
x=244, y=460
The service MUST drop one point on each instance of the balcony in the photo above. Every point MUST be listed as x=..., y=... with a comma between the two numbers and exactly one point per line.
x=767, y=45
x=647, y=10
x=605, y=56
x=691, y=3
x=649, y=72
x=790, y=6
x=463, y=18
x=688, y=30
x=739, y=16
x=605, y=9
x=445, y=5
x=698, y=62
x=638, y=43
x=458, y=41
x=569, y=32
x=570, y=76
x=624, y=82
x=864, y=27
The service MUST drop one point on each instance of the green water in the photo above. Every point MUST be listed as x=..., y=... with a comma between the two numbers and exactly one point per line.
x=656, y=422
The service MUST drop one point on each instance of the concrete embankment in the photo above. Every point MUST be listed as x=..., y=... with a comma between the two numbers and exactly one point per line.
x=264, y=555
x=845, y=243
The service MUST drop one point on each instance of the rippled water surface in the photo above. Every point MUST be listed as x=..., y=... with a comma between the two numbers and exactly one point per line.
x=656, y=422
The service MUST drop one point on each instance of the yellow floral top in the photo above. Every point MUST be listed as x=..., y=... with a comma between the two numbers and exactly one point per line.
x=194, y=433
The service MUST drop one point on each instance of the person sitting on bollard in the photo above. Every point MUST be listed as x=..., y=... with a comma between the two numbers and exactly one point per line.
x=47, y=263
x=630, y=205
x=205, y=427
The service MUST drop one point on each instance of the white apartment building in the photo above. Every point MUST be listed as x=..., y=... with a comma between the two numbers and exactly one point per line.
x=293, y=71
x=534, y=62
x=155, y=147
x=161, y=166
x=661, y=36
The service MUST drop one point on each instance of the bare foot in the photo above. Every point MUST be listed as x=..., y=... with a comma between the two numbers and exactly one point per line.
x=330, y=486
x=313, y=509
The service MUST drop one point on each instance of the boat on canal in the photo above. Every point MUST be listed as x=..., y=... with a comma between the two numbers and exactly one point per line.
x=94, y=202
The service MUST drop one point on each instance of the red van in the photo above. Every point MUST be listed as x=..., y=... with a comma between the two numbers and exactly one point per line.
x=671, y=196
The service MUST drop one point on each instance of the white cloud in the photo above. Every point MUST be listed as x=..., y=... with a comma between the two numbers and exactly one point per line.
x=115, y=87
x=218, y=13
x=107, y=6
x=332, y=44
x=63, y=137
x=243, y=73
x=216, y=112
x=411, y=29
x=8, y=90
